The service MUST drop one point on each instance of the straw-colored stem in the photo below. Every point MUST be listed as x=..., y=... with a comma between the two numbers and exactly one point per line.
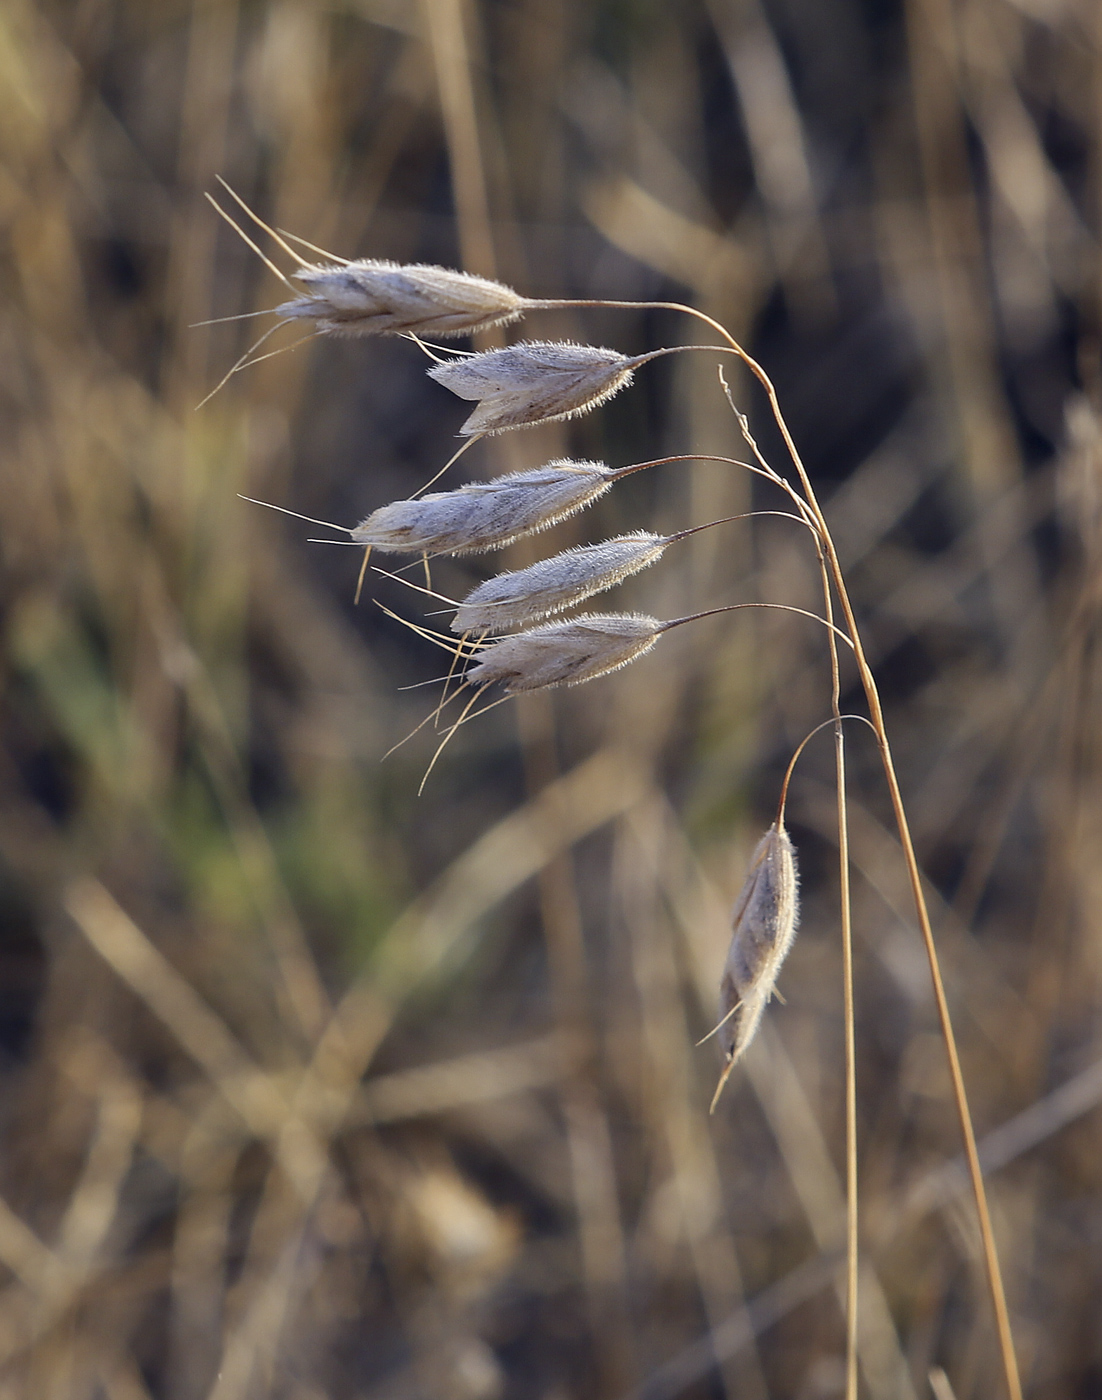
x=847, y=943
x=876, y=714
x=851, y=1063
x=739, y=607
x=846, y=915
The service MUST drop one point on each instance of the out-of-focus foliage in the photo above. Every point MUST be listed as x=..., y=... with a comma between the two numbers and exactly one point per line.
x=316, y=1089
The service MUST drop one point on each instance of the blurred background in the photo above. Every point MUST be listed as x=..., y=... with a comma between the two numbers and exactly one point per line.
x=314, y=1088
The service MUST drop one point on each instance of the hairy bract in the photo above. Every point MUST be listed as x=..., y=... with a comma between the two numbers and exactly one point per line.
x=485, y=514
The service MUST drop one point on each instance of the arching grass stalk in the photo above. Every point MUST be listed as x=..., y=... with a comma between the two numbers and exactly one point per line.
x=846, y=928
x=876, y=715
x=536, y=382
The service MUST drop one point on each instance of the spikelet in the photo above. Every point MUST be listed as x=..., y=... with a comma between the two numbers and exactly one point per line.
x=485, y=514
x=372, y=297
x=765, y=918
x=565, y=653
x=525, y=595
x=533, y=382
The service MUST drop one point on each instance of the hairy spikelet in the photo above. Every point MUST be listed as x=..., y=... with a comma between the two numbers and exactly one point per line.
x=565, y=653
x=385, y=298
x=525, y=595
x=485, y=514
x=533, y=382
x=765, y=918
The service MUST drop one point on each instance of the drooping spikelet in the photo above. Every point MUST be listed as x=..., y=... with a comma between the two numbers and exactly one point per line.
x=765, y=918
x=373, y=297
x=533, y=382
x=525, y=595
x=565, y=653
x=485, y=514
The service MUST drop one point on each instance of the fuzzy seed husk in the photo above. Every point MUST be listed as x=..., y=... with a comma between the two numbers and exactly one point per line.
x=533, y=382
x=552, y=585
x=485, y=514
x=765, y=918
x=565, y=653
x=373, y=297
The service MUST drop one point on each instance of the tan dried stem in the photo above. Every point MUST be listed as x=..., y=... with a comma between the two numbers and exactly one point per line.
x=846, y=922
x=872, y=695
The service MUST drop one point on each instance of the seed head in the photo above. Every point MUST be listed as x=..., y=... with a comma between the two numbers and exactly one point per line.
x=485, y=514
x=533, y=382
x=385, y=298
x=765, y=918
x=525, y=595
x=565, y=653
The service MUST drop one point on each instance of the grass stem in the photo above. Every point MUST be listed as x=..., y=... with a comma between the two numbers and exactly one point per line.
x=872, y=695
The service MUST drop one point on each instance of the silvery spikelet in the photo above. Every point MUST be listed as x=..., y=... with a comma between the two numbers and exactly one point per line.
x=371, y=297
x=533, y=382
x=765, y=918
x=525, y=595
x=565, y=653
x=485, y=514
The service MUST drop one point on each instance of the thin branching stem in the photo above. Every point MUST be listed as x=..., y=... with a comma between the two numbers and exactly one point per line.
x=738, y=607
x=846, y=917
x=872, y=695
x=876, y=713
x=730, y=519
x=826, y=724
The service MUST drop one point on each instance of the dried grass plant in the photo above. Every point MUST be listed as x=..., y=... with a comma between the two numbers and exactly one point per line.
x=536, y=382
x=315, y=1089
